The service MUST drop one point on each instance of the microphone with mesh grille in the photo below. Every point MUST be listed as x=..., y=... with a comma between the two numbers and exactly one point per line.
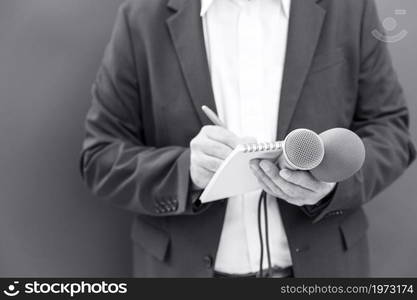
x=332, y=156
x=344, y=155
x=303, y=149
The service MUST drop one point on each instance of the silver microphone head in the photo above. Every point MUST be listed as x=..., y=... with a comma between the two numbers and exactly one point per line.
x=303, y=149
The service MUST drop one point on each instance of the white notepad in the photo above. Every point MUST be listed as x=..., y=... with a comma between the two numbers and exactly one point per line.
x=234, y=176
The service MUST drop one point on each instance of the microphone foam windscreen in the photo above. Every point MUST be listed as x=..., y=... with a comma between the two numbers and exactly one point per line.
x=303, y=149
x=344, y=155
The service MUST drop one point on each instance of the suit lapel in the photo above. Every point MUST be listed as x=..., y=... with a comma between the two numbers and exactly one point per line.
x=305, y=25
x=187, y=36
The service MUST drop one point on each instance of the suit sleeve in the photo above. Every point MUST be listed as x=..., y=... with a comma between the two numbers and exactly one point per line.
x=116, y=164
x=381, y=120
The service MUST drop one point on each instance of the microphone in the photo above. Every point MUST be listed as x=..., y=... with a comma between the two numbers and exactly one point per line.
x=303, y=149
x=344, y=155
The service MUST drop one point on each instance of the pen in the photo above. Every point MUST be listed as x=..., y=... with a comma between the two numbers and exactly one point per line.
x=212, y=116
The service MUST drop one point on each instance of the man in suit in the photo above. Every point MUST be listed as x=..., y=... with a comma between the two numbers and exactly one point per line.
x=267, y=67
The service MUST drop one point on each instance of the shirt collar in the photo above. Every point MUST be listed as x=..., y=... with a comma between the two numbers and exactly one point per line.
x=285, y=6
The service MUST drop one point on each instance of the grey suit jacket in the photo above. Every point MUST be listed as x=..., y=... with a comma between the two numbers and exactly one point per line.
x=146, y=108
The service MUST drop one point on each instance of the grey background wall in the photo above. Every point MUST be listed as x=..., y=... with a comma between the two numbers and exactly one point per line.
x=49, y=224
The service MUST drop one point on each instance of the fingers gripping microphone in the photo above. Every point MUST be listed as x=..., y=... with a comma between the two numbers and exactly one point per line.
x=344, y=155
x=303, y=149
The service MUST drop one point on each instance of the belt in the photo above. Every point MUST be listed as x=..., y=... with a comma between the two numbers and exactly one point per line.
x=276, y=272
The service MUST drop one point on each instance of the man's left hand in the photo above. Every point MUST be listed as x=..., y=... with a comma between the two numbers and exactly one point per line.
x=295, y=187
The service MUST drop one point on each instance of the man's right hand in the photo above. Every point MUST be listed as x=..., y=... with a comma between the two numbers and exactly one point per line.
x=208, y=150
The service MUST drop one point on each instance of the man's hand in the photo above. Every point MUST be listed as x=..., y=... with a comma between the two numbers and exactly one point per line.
x=296, y=187
x=208, y=150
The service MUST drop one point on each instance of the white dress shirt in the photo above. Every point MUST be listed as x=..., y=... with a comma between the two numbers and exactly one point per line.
x=246, y=43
